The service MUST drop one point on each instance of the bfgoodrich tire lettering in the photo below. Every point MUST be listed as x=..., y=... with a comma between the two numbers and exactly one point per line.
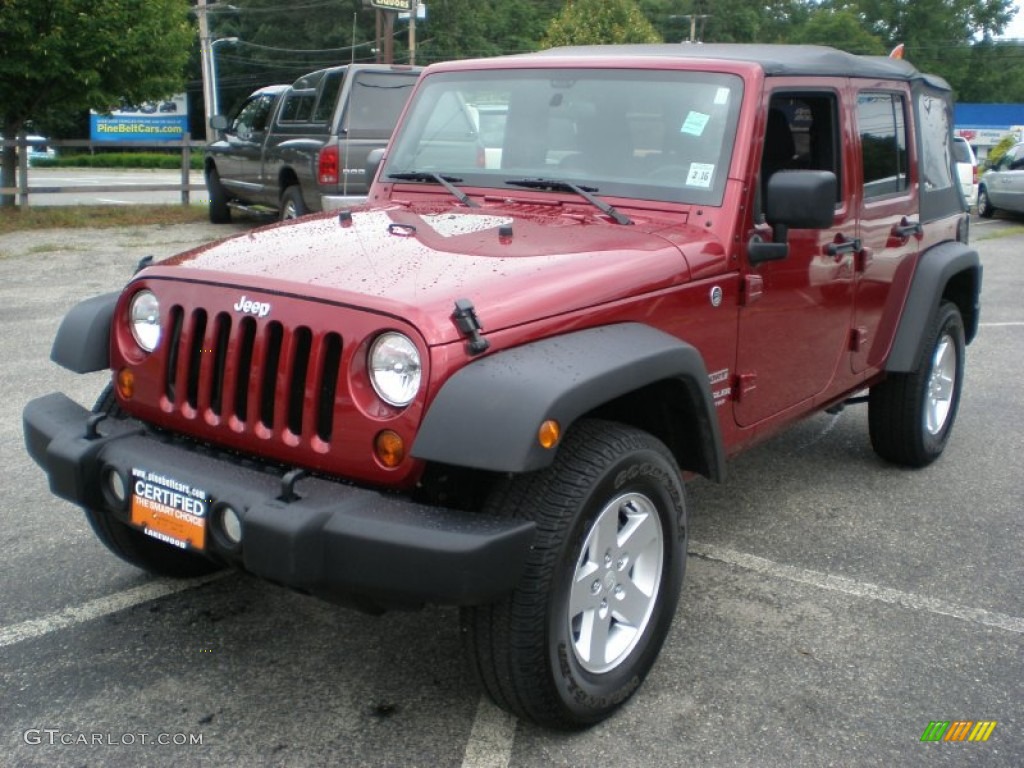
x=134, y=546
x=581, y=631
x=911, y=415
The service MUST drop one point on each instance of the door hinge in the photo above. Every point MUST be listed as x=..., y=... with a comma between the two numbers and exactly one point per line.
x=744, y=384
x=753, y=289
x=858, y=338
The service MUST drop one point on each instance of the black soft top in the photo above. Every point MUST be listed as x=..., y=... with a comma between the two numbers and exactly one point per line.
x=775, y=60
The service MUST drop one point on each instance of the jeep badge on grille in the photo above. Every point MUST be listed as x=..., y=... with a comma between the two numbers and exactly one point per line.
x=249, y=307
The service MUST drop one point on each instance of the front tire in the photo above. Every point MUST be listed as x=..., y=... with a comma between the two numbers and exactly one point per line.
x=592, y=609
x=220, y=213
x=911, y=415
x=132, y=545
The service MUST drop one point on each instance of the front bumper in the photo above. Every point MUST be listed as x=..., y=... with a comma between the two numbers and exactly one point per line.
x=326, y=538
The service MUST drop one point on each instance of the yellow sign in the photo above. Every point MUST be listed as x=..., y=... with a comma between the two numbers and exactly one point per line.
x=392, y=5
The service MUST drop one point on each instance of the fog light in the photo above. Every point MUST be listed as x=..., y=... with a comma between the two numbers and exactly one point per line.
x=231, y=525
x=126, y=383
x=115, y=483
x=390, y=448
x=549, y=433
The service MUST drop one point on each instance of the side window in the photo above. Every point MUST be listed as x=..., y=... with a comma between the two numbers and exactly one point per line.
x=881, y=122
x=328, y=96
x=936, y=132
x=802, y=132
x=253, y=116
x=1016, y=161
x=298, y=107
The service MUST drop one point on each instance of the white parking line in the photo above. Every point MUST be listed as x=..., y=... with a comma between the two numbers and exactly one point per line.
x=858, y=588
x=493, y=732
x=101, y=606
x=491, y=738
x=999, y=325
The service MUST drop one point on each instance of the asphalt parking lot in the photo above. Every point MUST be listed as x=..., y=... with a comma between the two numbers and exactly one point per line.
x=834, y=606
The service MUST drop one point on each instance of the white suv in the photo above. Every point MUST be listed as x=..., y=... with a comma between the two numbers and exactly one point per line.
x=967, y=169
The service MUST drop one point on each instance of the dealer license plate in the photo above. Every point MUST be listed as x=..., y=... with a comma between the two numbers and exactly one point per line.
x=169, y=510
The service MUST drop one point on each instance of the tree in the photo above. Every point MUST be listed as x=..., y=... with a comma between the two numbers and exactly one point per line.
x=938, y=34
x=841, y=28
x=60, y=57
x=595, y=22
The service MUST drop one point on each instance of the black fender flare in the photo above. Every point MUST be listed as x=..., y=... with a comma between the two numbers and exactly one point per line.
x=935, y=269
x=82, y=343
x=486, y=416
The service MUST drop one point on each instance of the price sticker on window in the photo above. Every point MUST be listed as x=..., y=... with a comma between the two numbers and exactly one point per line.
x=700, y=175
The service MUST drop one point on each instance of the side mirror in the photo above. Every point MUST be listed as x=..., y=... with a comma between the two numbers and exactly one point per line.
x=373, y=161
x=219, y=122
x=794, y=200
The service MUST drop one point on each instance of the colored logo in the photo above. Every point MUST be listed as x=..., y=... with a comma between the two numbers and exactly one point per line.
x=958, y=730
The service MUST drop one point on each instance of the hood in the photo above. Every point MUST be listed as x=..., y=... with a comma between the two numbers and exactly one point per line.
x=515, y=263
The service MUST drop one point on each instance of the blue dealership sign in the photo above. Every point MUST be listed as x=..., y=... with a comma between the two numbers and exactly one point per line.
x=151, y=121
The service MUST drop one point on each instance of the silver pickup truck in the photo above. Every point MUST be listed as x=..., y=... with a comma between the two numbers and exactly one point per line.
x=291, y=150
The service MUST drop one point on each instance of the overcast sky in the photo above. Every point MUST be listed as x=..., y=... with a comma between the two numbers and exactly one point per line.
x=1016, y=28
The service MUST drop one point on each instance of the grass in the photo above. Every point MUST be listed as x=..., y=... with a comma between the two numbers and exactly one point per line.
x=79, y=216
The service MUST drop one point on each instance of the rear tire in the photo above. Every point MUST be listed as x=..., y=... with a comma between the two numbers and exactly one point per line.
x=133, y=546
x=911, y=415
x=599, y=590
x=220, y=213
x=292, y=204
x=984, y=205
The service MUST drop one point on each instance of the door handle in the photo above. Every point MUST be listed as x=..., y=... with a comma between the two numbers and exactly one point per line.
x=906, y=229
x=843, y=246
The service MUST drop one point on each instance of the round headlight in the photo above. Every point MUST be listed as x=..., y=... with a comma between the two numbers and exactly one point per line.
x=144, y=319
x=395, y=370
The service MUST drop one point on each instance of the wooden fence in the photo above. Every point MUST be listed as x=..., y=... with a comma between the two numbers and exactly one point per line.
x=185, y=146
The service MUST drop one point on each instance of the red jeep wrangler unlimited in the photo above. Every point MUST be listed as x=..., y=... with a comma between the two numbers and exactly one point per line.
x=484, y=388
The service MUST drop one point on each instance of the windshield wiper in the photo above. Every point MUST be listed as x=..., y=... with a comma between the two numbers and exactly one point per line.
x=444, y=181
x=584, y=192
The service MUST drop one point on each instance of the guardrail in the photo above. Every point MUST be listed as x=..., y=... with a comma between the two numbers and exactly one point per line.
x=185, y=145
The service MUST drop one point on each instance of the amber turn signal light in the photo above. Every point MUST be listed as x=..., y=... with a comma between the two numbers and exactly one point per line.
x=126, y=383
x=549, y=433
x=389, y=448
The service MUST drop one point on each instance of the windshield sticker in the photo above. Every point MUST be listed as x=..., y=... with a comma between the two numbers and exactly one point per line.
x=722, y=97
x=455, y=224
x=695, y=123
x=700, y=175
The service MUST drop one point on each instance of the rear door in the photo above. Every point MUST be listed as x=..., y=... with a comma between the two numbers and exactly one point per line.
x=890, y=224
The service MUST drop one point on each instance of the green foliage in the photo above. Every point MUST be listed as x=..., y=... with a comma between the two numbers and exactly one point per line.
x=1000, y=149
x=596, y=22
x=72, y=55
x=842, y=28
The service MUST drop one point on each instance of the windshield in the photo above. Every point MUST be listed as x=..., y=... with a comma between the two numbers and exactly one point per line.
x=655, y=135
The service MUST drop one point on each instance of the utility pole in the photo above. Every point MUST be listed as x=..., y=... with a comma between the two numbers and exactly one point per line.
x=412, y=32
x=693, y=24
x=204, y=65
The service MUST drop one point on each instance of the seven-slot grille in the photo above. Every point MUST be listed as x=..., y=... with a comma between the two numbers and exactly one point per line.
x=259, y=378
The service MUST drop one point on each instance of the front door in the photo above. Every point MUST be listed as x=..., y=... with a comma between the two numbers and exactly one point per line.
x=795, y=322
